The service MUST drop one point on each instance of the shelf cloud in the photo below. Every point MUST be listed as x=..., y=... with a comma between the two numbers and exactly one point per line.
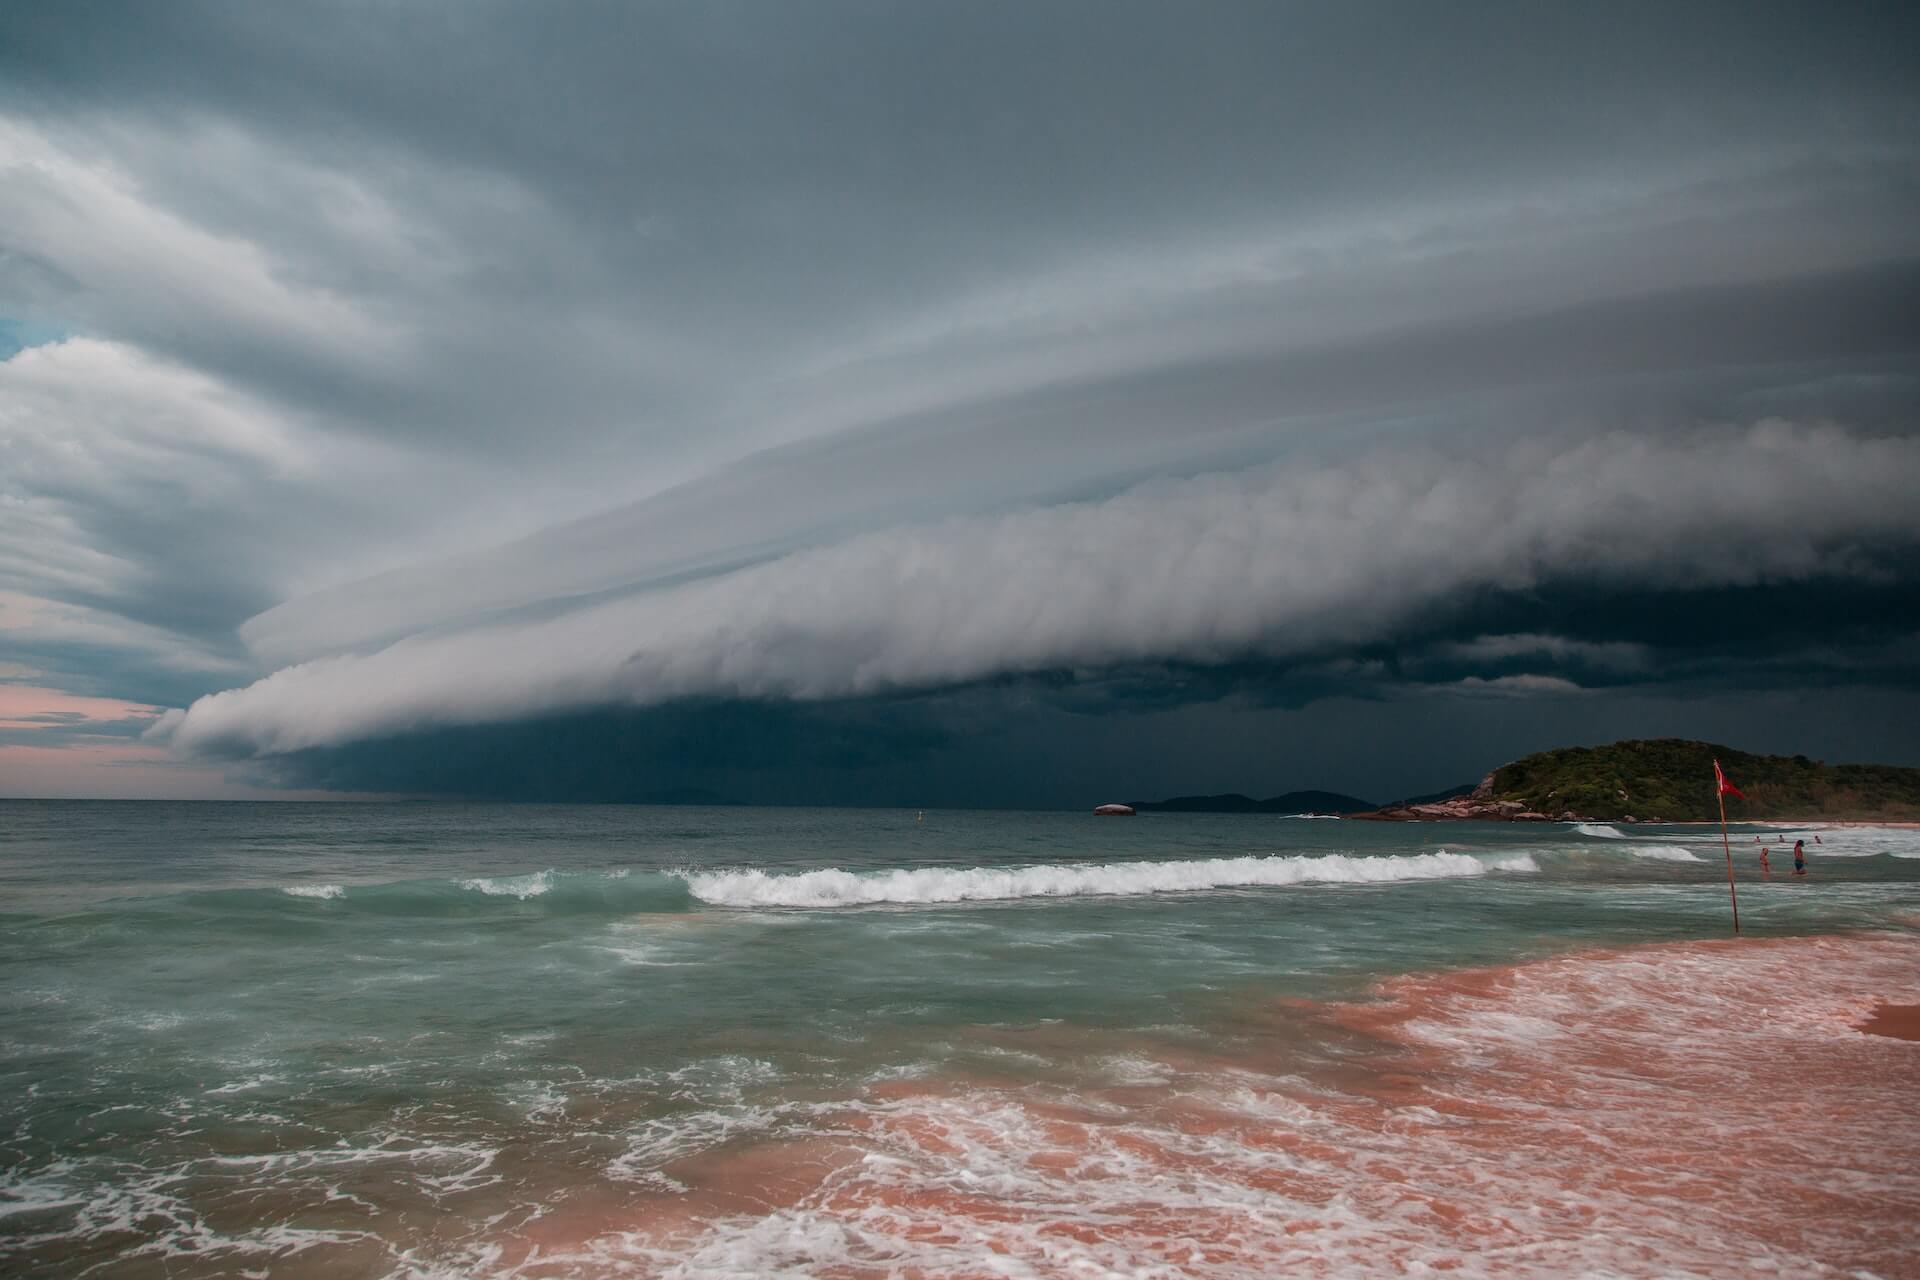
x=855, y=373
x=1272, y=563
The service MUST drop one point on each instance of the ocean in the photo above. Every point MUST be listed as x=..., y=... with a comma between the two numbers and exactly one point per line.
x=474, y=1040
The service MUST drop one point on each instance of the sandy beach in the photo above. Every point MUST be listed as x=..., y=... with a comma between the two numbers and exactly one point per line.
x=1898, y=1021
x=1535, y=1052
x=1709, y=1109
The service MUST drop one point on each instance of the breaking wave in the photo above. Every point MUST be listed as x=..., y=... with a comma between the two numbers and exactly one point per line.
x=1600, y=830
x=836, y=888
x=1664, y=853
x=619, y=891
x=523, y=887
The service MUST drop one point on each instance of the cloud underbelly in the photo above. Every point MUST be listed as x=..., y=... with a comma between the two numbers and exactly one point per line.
x=1268, y=563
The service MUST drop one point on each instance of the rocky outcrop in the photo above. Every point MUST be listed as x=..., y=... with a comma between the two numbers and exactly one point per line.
x=1479, y=805
x=1465, y=808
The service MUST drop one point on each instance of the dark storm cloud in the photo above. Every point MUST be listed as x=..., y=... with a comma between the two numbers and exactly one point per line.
x=1278, y=562
x=1002, y=747
x=693, y=752
x=509, y=224
x=410, y=371
x=1618, y=361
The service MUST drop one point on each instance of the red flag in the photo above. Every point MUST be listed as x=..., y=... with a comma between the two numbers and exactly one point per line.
x=1725, y=788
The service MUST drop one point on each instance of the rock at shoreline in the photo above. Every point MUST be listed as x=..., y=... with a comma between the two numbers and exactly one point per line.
x=1479, y=806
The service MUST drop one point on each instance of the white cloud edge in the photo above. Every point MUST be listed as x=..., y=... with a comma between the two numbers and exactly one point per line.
x=1269, y=562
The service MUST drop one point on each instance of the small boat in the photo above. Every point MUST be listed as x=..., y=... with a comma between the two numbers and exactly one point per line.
x=1113, y=811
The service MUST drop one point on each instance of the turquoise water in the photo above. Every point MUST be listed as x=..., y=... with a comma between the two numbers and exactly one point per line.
x=368, y=1039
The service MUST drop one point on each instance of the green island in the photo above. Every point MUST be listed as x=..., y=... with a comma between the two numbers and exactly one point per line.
x=1671, y=780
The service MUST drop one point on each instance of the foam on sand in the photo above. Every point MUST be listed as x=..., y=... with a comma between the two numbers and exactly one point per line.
x=1605, y=1113
x=836, y=888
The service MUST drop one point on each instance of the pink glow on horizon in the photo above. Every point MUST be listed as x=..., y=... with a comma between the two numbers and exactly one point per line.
x=106, y=767
x=20, y=701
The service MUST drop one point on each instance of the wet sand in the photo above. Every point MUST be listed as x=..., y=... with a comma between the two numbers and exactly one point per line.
x=1897, y=1021
x=1709, y=1109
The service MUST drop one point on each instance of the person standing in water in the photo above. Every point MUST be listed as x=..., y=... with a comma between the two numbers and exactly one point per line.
x=1799, y=857
x=1766, y=869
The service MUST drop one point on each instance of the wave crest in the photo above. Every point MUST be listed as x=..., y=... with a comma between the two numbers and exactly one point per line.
x=617, y=891
x=1665, y=853
x=1599, y=830
x=531, y=885
x=836, y=888
x=315, y=890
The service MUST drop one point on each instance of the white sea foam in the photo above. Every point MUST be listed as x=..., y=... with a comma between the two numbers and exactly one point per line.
x=1664, y=853
x=1135, y=1069
x=1234, y=1174
x=646, y=954
x=837, y=888
x=652, y=1144
x=244, y=1085
x=1600, y=830
x=531, y=885
x=439, y=1168
x=315, y=890
x=1860, y=842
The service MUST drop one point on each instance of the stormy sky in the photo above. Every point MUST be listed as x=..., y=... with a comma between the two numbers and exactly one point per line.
x=1026, y=404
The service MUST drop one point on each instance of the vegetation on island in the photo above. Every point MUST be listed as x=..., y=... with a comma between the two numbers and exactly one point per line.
x=1671, y=780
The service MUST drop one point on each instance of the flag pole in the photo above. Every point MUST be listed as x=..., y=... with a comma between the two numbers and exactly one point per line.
x=1720, y=794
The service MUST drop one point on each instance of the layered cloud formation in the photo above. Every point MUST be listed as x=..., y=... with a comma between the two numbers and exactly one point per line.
x=1275, y=563
x=366, y=378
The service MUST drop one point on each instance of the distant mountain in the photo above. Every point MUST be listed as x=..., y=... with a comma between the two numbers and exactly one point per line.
x=1314, y=802
x=1234, y=802
x=1464, y=789
x=1671, y=780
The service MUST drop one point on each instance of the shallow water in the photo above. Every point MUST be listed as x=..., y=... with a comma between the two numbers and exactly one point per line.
x=435, y=1039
